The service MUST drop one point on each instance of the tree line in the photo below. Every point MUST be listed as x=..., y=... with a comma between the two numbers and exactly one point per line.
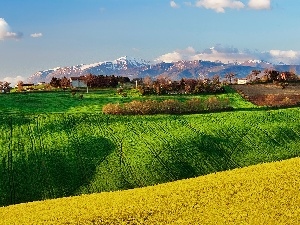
x=165, y=85
x=92, y=81
x=272, y=75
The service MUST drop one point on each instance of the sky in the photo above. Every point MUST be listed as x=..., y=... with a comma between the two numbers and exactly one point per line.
x=38, y=35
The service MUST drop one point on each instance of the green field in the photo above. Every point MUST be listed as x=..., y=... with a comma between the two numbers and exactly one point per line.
x=64, y=102
x=55, y=145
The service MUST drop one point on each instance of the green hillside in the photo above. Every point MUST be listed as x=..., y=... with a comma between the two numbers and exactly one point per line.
x=55, y=155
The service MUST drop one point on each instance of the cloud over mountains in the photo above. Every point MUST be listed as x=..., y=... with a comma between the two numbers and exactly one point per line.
x=14, y=80
x=227, y=54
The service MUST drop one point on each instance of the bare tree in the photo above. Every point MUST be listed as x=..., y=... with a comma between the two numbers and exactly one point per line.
x=230, y=76
x=6, y=87
x=20, y=86
x=65, y=82
x=89, y=79
x=147, y=81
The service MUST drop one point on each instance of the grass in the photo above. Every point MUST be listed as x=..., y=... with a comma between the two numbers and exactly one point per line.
x=56, y=155
x=54, y=102
x=261, y=194
x=92, y=102
x=55, y=145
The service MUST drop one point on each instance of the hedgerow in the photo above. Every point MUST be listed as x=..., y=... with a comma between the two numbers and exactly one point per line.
x=169, y=106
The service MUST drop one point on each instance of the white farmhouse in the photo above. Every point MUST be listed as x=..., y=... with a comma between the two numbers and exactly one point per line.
x=242, y=81
x=77, y=82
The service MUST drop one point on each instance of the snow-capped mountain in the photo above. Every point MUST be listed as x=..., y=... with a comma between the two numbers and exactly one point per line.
x=124, y=66
x=138, y=68
x=124, y=62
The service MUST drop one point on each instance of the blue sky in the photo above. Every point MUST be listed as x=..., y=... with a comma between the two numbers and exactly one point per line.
x=42, y=34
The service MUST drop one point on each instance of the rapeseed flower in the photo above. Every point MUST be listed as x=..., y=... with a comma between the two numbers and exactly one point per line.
x=261, y=194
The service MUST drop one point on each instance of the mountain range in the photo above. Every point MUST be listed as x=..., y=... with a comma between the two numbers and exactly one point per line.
x=138, y=68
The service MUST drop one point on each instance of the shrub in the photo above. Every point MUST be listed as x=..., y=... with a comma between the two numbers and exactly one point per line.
x=151, y=107
x=169, y=106
x=134, y=107
x=224, y=103
x=194, y=105
x=212, y=103
x=119, y=90
x=114, y=109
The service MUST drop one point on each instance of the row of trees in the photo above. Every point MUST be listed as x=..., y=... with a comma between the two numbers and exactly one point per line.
x=272, y=75
x=104, y=81
x=184, y=86
x=91, y=80
x=165, y=85
x=60, y=82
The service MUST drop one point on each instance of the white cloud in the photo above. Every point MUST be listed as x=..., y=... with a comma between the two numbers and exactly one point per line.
x=227, y=54
x=169, y=57
x=189, y=50
x=5, y=32
x=220, y=5
x=285, y=54
x=260, y=4
x=188, y=3
x=223, y=54
x=287, y=57
x=13, y=35
x=3, y=29
x=217, y=53
x=173, y=4
x=13, y=80
x=177, y=55
x=36, y=35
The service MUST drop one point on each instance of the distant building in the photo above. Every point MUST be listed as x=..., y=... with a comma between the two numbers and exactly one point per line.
x=28, y=87
x=77, y=82
x=242, y=81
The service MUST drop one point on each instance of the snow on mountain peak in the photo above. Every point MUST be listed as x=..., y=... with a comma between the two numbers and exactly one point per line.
x=87, y=66
x=126, y=60
x=257, y=61
x=254, y=61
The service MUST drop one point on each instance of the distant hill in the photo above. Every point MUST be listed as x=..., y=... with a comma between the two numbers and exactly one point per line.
x=138, y=68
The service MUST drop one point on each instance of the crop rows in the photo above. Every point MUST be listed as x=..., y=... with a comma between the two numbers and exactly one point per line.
x=56, y=155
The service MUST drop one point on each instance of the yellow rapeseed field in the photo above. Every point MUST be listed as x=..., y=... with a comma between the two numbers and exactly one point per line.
x=262, y=194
